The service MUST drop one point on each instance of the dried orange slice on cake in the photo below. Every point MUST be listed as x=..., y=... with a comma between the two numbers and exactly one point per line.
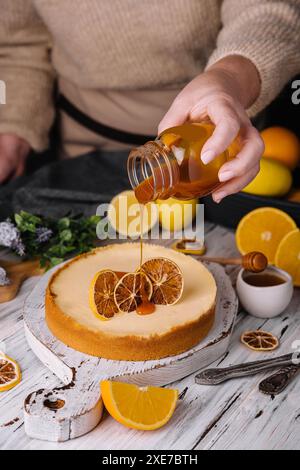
x=262, y=230
x=145, y=408
x=101, y=294
x=130, y=290
x=259, y=340
x=10, y=373
x=166, y=279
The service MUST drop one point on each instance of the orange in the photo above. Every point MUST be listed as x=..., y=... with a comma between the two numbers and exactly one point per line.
x=283, y=145
x=145, y=408
x=130, y=290
x=259, y=340
x=10, y=373
x=262, y=230
x=101, y=294
x=166, y=279
x=287, y=256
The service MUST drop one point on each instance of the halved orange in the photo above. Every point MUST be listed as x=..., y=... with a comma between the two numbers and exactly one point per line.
x=10, y=373
x=144, y=408
x=101, y=294
x=166, y=279
x=262, y=230
x=131, y=290
x=287, y=256
x=259, y=340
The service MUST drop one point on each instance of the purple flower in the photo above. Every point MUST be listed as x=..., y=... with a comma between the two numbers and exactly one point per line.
x=10, y=237
x=4, y=280
x=43, y=234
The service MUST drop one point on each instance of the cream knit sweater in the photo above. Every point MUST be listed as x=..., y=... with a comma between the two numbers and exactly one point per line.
x=111, y=55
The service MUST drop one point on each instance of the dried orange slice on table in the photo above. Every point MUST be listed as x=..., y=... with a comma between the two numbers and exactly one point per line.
x=10, y=373
x=288, y=255
x=131, y=290
x=144, y=408
x=166, y=279
x=101, y=294
x=262, y=230
x=259, y=340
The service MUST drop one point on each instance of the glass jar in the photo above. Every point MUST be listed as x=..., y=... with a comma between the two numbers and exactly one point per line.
x=171, y=165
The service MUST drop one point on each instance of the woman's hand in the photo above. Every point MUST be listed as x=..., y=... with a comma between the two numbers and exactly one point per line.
x=13, y=154
x=221, y=94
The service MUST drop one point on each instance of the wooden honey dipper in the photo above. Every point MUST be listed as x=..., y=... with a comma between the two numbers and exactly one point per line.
x=254, y=261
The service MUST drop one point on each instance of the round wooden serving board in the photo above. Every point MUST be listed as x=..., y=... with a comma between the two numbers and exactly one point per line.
x=76, y=408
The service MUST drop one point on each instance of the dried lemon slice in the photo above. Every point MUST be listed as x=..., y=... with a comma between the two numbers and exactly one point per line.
x=166, y=279
x=259, y=340
x=10, y=373
x=101, y=294
x=131, y=290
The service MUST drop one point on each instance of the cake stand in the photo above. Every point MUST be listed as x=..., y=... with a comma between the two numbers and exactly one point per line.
x=76, y=407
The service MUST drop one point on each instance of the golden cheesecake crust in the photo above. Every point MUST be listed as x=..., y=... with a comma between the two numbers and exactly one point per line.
x=123, y=347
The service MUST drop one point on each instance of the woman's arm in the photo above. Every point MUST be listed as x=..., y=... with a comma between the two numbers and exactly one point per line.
x=222, y=93
x=257, y=53
x=26, y=70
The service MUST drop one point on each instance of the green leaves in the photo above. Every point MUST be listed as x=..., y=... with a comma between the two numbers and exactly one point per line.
x=55, y=240
x=27, y=222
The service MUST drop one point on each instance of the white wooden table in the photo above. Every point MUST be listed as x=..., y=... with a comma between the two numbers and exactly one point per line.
x=233, y=415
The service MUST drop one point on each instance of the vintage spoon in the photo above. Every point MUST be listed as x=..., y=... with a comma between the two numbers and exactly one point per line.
x=253, y=261
x=17, y=273
x=217, y=376
x=276, y=383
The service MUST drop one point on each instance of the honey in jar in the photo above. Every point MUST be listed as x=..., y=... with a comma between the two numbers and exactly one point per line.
x=171, y=165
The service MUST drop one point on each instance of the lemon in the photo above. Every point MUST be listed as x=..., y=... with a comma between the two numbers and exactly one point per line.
x=124, y=215
x=144, y=408
x=274, y=179
x=175, y=214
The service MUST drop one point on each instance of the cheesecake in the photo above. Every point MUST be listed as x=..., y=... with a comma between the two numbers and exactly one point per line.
x=168, y=331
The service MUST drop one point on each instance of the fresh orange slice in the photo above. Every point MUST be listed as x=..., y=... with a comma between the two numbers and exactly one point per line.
x=166, y=279
x=101, y=294
x=259, y=340
x=287, y=256
x=145, y=408
x=131, y=290
x=10, y=373
x=262, y=230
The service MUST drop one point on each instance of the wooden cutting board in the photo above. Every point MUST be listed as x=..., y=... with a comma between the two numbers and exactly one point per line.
x=76, y=407
x=17, y=274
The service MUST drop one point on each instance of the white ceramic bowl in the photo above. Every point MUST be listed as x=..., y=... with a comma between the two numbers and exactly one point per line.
x=265, y=302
